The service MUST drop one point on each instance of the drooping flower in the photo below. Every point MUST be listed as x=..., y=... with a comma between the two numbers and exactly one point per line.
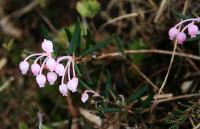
x=51, y=64
x=72, y=84
x=63, y=89
x=60, y=69
x=41, y=80
x=24, y=65
x=181, y=37
x=178, y=31
x=54, y=69
x=47, y=46
x=51, y=77
x=84, y=97
x=193, y=30
x=35, y=68
x=173, y=32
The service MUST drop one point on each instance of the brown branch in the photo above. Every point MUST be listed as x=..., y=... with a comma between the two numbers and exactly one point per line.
x=145, y=77
x=143, y=51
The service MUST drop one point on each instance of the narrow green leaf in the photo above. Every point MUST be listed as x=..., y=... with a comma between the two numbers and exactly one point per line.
x=137, y=94
x=77, y=70
x=110, y=109
x=69, y=34
x=99, y=45
x=69, y=126
x=75, y=40
x=181, y=16
x=89, y=40
x=120, y=44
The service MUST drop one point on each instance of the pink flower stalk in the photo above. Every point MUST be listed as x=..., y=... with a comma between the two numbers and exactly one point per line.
x=85, y=96
x=190, y=27
x=72, y=82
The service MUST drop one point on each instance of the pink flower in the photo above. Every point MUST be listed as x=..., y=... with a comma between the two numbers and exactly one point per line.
x=181, y=37
x=41, y=80
x=72, y=84
x=193, y=30
x=60, y=69
x=173, y=32
x=47, y=46
x=35, y=68
x=63, y=89
x=51, y=77
x=84, y=97
x=51, y=64
x=24, y=65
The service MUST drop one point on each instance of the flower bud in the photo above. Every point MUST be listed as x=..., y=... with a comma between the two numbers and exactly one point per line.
x=173, y=33
x=24, y=65
x=47, y=46
x=41, y=80
x=63, y=89
x=51, y=77
x=72, y=84
x=51, y=63
x=181, y=37
x=193, y=30
x=84, y=97
x=35, y=68
x=60, y=69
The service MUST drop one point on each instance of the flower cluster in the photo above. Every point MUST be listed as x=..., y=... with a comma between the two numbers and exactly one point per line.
x=54, y=67
x=190, y=27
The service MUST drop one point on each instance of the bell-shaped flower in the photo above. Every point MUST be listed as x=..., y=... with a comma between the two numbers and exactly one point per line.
x=47, y=46
x=35, y=68
x=60, y=69
x=72, y=84
x=51, y=77
x=84, y=97
x=24, y=66
x=173, y=32
x=193, y=30
x=63, y=89
x=51, y=64
x=181, y=37
x=41, y=80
